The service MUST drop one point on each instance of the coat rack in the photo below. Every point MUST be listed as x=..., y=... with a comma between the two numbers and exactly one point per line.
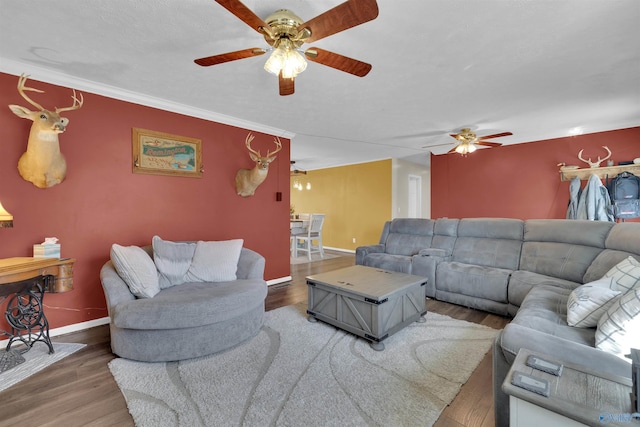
x=567, y=174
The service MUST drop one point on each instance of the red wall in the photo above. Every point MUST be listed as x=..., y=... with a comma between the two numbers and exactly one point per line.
x=519, y=181
x=102, y=202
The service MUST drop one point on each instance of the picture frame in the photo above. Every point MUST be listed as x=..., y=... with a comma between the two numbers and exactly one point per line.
x=160, y=153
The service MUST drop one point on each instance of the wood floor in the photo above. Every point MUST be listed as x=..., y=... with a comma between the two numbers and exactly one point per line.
x=80, y=391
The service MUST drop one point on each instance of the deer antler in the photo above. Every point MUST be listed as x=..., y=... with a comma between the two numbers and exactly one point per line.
x=278, y=144
x=77, y=103
x=595, y=164
x=247, y=142
x=22, y=88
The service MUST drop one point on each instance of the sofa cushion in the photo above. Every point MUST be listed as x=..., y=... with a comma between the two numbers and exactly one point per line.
x=562, y=260
x=490, y=242
x=545, y=310
x=561, y=248
x=619, y=328
x=214, y=261
x=399, y=263
x=604, y=262
x=473, y=280
x=575, y=232
x=191, y=305
x=587, y=303
x=407, y=236
x=172, y=260
x=626, y=274
x=521, y=282
x=137, y=269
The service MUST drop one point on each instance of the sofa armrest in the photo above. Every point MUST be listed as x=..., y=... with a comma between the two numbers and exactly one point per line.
x=514, y=337
x=115, y=289
x=363, y=251
x=250, y=265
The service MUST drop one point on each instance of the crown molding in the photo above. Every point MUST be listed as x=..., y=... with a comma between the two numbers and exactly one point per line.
x=46, y=75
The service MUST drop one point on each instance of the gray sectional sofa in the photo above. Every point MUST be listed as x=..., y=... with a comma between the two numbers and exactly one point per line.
x=523, y=269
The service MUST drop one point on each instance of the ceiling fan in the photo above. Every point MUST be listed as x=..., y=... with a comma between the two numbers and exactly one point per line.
x=468, y=140
x=286, y=33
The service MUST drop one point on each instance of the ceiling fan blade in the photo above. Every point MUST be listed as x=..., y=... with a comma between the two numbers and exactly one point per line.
x=488, y=144
x=497, y=135
x=453, y=150
x=339, y=62
x=342, y=17
x=245, y=14
x=229, y=56
x=287, y=86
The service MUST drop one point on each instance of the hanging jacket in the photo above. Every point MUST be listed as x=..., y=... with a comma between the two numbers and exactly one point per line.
x=574, y=196
x=593, y=201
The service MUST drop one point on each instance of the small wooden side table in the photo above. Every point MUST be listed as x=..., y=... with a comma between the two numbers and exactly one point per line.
x=579, y=396
x=24, y=280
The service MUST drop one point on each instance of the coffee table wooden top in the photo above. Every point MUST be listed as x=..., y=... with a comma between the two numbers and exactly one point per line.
x=369, y=282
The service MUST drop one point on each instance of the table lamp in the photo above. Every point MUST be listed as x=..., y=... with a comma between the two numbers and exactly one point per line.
x=6, y=219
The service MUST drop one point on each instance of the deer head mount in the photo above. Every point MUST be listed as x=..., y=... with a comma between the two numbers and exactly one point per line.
x=247, y=180
x=43, y=164
x=595, y=164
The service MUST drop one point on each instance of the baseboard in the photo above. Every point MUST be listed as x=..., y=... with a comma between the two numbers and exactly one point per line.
x=351, y=251
x=63, y=330
x=279, y=280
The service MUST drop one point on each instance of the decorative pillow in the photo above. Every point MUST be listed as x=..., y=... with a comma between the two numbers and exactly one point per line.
x=215, y=261
x=626, y=274
x=137, y=269
x=587, y=303
x=172, y=260
x=619, y=328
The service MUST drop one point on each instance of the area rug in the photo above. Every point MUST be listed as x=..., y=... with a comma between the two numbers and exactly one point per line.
x=298, y=373
x=36, y=360
x=314, y=257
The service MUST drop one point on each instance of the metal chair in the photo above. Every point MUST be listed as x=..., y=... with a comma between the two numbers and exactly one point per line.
x=304, y=242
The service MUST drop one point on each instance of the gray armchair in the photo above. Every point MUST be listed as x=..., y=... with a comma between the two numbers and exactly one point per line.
x=187, y=320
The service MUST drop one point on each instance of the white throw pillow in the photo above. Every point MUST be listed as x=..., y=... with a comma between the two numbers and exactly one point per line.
x=626, y=274
x=587, y=303
x=137, y=269
x=172, y=260
x=619, y=328
x=215, y=261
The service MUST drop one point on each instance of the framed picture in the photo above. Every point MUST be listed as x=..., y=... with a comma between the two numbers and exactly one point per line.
x=160, y=153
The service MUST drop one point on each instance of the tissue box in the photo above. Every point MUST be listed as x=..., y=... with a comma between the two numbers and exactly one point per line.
x=46, y=251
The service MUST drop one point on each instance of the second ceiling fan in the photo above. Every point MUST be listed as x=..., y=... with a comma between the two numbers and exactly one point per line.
x=468, y=140
x=286, y=33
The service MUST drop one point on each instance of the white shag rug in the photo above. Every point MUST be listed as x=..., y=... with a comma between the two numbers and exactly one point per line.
x=298, y=373
x=36, y=360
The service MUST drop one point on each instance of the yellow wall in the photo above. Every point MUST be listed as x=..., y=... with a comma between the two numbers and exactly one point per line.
x=355, y=198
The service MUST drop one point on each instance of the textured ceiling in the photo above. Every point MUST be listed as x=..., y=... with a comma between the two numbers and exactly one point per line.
x=538, y=68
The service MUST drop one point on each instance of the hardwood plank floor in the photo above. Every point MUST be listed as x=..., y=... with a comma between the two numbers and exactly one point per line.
x=80, y=391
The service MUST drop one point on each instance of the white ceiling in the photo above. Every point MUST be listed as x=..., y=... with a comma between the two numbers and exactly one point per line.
x=538, y=68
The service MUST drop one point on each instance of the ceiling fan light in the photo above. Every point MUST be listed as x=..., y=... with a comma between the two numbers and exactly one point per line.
x=275, y=62
x=287, y=59
x=293, y=65
x=465, y=148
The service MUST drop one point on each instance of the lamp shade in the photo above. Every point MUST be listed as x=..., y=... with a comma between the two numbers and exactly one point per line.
x=6, y=219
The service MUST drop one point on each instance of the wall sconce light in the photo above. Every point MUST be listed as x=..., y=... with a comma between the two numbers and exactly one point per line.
x=6, y=219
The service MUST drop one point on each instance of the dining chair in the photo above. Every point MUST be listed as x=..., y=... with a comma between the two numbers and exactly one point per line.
x=304, y=242
x=298, y=227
